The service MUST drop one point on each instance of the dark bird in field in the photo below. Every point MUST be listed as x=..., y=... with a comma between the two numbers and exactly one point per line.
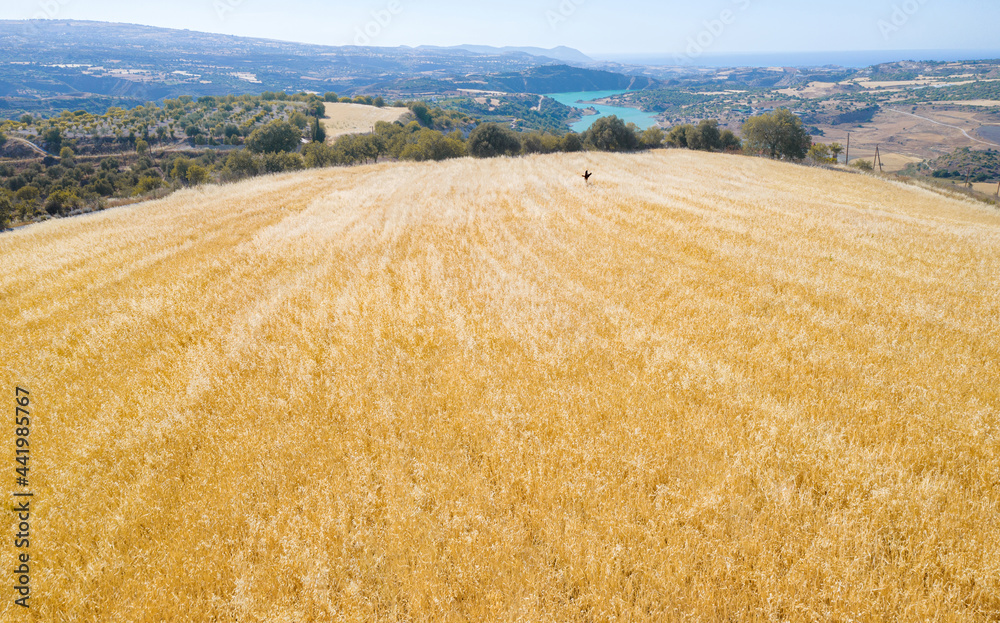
x=586, y=176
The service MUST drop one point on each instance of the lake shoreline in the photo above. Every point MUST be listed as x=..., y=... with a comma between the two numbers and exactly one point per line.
x=590, y=105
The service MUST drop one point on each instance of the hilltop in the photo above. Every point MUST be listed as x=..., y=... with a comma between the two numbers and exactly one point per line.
x=704, y=387
x=561, y=53
x=965, y=163
x=58, y=64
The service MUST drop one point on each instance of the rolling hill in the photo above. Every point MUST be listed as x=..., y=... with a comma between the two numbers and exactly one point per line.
x=559, y=53
x=704, y=386
x=566, y=79
x=53, y=65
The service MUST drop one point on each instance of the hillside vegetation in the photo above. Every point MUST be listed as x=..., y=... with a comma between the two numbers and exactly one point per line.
x=703, y=387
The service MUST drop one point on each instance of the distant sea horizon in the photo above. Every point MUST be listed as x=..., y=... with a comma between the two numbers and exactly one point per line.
x=853, y=59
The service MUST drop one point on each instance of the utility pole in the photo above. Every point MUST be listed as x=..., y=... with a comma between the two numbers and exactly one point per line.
x=847, y=158
x=878, y=157
x=968, y=178
x=998, y=189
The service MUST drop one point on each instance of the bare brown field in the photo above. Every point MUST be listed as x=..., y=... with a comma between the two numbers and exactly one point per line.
x=343, y=118
x=986, y=187
x=891, y=162
x=813, y=89
x=981, y=103
x=704, y=387
x=903, y=138
x=898, y=85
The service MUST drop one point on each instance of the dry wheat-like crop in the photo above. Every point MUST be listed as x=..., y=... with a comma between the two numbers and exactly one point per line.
x=703, y=387
x=344, y=118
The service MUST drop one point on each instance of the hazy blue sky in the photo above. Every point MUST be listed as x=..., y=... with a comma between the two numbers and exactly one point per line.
x=593, y=26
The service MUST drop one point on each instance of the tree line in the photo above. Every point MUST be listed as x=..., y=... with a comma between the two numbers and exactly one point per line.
x=65, y=186
x=415, y=141
x=207, y=121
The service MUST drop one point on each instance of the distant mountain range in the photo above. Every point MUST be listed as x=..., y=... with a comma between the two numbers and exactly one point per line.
x=48, y=65
x=561, y=53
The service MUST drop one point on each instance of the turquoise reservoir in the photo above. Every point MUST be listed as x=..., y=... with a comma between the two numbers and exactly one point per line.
x=642, y=119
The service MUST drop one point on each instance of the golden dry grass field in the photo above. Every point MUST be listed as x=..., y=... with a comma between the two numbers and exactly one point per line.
x=344, y=118
x=705, y=388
